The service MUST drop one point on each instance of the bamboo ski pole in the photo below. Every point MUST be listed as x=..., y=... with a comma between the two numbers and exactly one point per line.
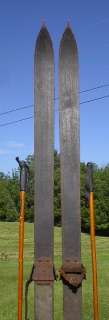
x=92, y=239
x=23, y=182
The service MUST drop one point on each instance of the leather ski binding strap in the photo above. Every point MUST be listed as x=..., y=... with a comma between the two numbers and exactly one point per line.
x=28, y=281
x=43, y=272
x=72, y=273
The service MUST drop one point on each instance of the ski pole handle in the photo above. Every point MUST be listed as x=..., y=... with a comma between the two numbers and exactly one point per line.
x=89, y=177
x=24, y=170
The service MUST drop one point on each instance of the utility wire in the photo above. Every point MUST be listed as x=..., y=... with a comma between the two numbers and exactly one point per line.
x=92, y=100
x=83, y=91
x=23, y=119
x=91, y=89
x=95, y=99
x=15, y=121
x=16, y=109
x=95, y=88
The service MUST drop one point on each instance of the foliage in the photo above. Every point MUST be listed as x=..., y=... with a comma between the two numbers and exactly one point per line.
x=9, y=272
x=9, y=195
x=57, y=189
x=8, y=207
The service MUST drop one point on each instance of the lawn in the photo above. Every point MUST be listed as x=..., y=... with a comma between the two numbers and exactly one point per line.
x=8, y=272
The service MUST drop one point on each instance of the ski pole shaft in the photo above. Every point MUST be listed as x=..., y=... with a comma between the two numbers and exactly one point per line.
x=23, y=182
x=93, y=242
x=20, y=257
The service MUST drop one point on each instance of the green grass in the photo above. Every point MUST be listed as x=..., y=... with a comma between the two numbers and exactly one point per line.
x=9, y=266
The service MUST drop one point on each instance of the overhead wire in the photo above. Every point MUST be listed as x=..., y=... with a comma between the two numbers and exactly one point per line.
x=16, y=109
x=15, y=121
x=95, y=88
x=31, y=105
x=95, y=99
x=57, y=98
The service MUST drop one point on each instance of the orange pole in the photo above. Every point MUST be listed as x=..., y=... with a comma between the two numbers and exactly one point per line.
x=20, y=257
x=94, y=262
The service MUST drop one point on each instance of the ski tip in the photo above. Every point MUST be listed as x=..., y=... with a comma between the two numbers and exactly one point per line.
x=68, y=35
x=43, y=25
x=68, y=25
x=43, y=32
x=43, y=37
x=43, y=28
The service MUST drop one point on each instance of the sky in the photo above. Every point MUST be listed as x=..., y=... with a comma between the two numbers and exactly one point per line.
x=20, y=22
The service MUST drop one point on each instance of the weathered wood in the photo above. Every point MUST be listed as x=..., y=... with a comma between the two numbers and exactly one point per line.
x=70, y=164
x=43, y=165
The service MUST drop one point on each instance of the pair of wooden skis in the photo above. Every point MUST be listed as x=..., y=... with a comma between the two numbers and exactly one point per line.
x=71, y=271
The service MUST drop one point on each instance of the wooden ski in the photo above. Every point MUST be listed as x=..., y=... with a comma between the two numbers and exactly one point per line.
x=72, y=272
x=43, y=165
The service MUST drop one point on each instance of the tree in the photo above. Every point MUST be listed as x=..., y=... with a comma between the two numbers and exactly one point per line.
x=30, y=190
x=8, y=210
x=57, y=189
x=9, y=195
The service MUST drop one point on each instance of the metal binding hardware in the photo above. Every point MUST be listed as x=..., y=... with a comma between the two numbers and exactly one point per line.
x=72, y=273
